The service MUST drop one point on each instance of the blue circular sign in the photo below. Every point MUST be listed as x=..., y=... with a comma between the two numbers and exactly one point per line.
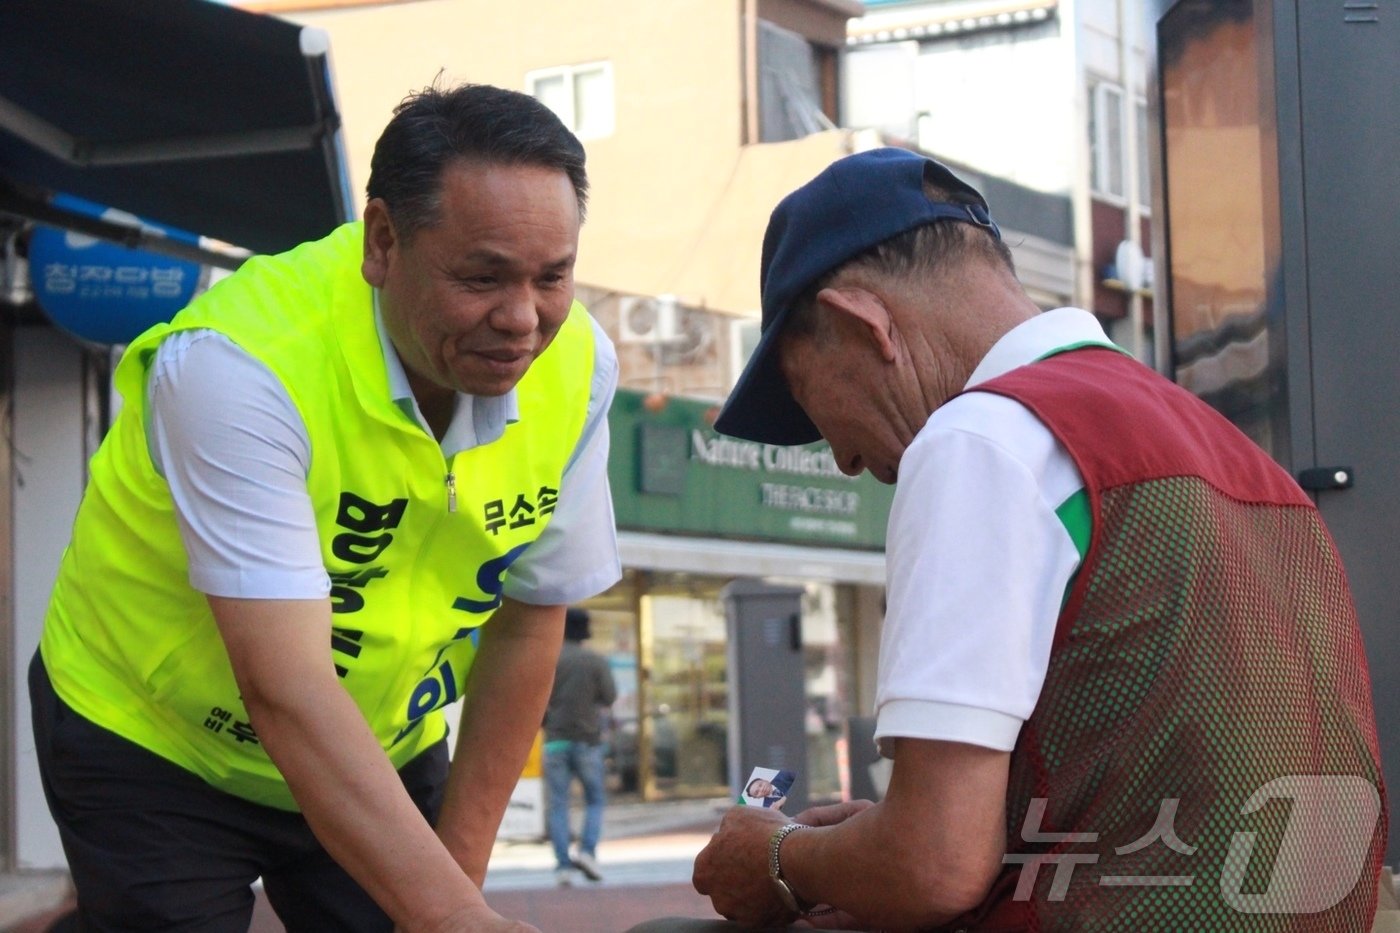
x=103, y=292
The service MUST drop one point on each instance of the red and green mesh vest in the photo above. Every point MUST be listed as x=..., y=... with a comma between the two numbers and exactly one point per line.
x=1203, y=756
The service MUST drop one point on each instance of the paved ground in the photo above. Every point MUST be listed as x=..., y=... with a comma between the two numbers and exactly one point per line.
x=646, y=855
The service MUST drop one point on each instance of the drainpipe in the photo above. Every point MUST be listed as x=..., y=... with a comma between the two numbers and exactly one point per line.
x=1081, y=205
x=749, y=39
x=1131, y=175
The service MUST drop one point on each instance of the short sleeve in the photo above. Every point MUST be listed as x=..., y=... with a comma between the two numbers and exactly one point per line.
x=235, y=453
x=977, y=562
x=576, y=556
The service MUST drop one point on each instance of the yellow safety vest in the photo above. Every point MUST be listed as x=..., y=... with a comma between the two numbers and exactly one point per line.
x=133, y=647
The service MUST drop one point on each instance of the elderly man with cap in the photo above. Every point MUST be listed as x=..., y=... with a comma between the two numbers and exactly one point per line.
x=1115, y=629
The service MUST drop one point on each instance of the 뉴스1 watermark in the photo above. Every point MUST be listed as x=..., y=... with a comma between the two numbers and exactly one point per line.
x=1330, y=813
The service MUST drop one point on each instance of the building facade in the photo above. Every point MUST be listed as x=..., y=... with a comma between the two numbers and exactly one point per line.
x=698, y=116
x=1047, y=94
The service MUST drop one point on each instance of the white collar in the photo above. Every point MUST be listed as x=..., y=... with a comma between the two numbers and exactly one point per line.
x=476, y=419
x=1036, y=337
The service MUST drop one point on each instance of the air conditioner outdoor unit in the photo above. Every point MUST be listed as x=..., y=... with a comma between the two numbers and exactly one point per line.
x=743, y=340
x=644, y=319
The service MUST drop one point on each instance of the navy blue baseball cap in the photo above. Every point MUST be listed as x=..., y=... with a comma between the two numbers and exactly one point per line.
x=855, y=203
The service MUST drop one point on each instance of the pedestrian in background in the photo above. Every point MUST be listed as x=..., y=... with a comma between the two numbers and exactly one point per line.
x=584, y=690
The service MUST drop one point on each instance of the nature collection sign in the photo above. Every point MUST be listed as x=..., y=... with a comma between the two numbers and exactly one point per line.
x=672, y=472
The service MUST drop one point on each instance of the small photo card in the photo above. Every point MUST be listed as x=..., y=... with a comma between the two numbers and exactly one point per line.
x=767, y=787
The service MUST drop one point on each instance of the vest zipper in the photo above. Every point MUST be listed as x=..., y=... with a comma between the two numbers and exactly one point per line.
x=451, y=491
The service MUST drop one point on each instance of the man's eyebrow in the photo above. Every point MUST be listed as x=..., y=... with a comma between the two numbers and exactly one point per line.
x=490, y=257
x=485, y=256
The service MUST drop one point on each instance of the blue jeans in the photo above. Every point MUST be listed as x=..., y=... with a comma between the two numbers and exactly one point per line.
x=563, y=761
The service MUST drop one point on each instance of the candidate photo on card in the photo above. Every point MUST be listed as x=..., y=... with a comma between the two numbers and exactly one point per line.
x=767, y=787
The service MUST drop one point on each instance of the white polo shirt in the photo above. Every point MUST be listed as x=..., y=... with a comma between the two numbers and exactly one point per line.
x=977, y=558
x=231, y=444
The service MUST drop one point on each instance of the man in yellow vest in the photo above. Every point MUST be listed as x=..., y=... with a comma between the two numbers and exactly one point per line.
x=342, y=479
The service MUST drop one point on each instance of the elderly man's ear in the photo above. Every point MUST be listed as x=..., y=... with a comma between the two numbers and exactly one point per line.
x=861, y=312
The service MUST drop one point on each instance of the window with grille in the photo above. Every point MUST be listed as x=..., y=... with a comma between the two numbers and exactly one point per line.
x=1144, y=159
x=1106, y=141
x=582, y=96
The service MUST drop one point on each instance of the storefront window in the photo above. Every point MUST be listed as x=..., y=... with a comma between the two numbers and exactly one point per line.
x=615, y=636
x=665, y=636
x=689, y=688
x=826, y=621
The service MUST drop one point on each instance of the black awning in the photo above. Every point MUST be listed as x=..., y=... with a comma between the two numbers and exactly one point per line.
x=193, y=114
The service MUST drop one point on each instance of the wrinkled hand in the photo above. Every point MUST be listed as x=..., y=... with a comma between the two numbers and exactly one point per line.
x=832, y=814
x=732, y=870
x=475, y=920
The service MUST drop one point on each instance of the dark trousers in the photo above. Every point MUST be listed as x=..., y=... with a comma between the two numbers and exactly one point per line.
x=153, y=847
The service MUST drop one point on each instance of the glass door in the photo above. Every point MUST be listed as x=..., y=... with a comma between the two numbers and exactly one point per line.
x=686, y=689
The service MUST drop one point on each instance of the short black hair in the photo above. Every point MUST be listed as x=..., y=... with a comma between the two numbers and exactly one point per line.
x=436, y=127
x=577, y=624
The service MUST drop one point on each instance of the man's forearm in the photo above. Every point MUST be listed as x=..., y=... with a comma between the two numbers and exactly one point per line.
x=357, y=806
x=921, y=857
x=869, y=867
x=502, y=707
x=343, y=782
x=927, y=853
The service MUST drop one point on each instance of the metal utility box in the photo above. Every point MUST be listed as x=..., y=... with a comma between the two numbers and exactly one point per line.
x=767, y=686
x=1278, y=211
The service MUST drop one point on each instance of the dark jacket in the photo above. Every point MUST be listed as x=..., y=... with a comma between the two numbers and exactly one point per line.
x=583, y=688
